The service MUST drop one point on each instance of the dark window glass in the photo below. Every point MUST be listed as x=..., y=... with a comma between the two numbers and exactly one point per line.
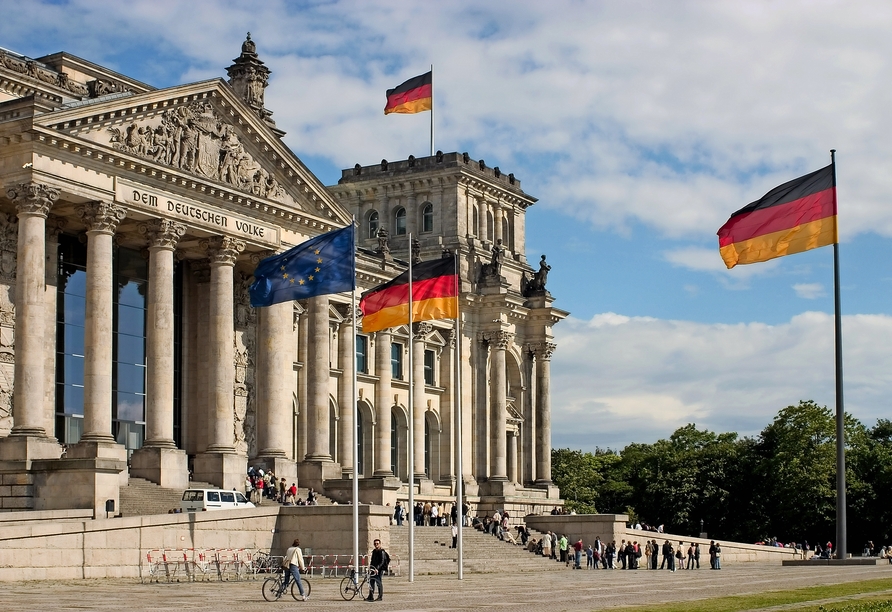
x=396, y=360
x=131, y=349
x=72, y=370
x=427, y=218
x=213, y=496
x=430, y=360
x=226, y=496
x=131, y=378
x=373, y=224
x=133, y=294
x=131, y=321
x=129, y=406
x=362, y=360
x=72, y=340
x=401, y=222
x=75, y=308
x=69, y=399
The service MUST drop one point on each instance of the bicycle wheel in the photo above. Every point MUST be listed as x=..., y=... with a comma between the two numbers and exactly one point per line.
x=348, y=588
x=365, y=586
x=272, y=589
x=307, y=588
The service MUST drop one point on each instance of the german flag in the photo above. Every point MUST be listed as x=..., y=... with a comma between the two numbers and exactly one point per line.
x=413, y=96
x=434, y=291
x=797, y=216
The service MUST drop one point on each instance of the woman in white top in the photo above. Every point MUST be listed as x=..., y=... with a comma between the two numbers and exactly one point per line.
x=294, y=557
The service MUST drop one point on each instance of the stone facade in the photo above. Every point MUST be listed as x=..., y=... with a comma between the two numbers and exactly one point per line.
x=131, y=220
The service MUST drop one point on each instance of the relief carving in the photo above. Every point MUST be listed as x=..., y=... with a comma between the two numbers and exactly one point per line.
x=9, y=237
x=193, y=138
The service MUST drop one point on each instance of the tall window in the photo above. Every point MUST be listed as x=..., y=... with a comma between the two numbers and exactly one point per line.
x=427, y=218
x=362, y=354
x=427, y=448
x=396, y=360
x=489, y=225
x=401, y=222
x=430, y=359
x=394, y=445
x=71, y=302
x=373, y=224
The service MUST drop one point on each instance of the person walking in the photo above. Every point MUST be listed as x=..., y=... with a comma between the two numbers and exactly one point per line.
x=294, y=565
x=398, y=514
x=380, y=560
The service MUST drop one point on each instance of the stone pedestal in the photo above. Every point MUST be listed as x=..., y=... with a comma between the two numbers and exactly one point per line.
x=282, y=467
x=500, y=488
x=313, y=474
x=225, y=470
x=87, y=482
x=425, y=485
x=375, y=490
x=100, y=450
x=28, y=448
x=166, y=467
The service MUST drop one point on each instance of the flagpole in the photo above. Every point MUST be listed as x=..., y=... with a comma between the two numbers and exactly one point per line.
x=411, y=432
x=458, y=431
x=841, y=537
x=432, y=111
x=355, y=410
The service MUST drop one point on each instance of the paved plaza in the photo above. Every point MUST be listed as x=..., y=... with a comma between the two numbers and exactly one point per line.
x=569, y=590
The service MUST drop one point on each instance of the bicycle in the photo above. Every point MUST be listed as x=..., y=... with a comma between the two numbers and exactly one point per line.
x=350, y=587
x=274, y=588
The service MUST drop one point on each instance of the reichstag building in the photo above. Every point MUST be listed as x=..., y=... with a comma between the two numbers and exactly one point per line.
x=131, y=220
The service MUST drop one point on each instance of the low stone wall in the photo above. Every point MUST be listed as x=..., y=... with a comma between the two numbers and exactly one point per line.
x=108, y=548
x=613, y=527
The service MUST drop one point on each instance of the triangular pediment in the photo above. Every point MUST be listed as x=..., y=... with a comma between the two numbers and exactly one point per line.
x=203, y=131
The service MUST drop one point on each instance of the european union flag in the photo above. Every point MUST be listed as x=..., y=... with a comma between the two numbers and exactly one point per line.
x=324, y=264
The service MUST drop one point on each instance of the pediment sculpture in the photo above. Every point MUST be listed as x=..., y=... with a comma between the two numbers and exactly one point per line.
x=194, y=139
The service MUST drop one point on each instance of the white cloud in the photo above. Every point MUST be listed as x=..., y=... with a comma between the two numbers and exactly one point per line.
x=618, y=379
x=809, y=291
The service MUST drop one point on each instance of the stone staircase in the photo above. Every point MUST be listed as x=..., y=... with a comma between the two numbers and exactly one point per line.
x=482, y=552
x=141, y=497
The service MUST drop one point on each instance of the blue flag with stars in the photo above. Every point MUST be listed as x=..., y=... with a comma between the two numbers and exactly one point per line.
x=321, y=265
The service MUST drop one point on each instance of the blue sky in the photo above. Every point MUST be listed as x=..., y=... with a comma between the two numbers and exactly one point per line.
x=640, y=126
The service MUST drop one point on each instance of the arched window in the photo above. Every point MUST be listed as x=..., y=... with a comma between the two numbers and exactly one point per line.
x=489, y=225
x=476, y=228
x=400, y=222
x=505, y=236
x=373, y=224
x=427, y=218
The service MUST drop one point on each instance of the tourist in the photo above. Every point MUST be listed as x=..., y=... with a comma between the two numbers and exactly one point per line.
x=718, y=556
x=697, y=554
x=379, y=560
x=294, y=565
x=589, y=557
x=577, y=549
x=398, y=514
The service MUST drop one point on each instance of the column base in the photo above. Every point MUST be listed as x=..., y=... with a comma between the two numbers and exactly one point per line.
x=553, y=491
x=314, y=473
x=101, y=449
x=282, y=467
x=87, y=482
x=500, y=488
x=28, y=448
x=375, y=490
x=166, y=467
x=225, y=470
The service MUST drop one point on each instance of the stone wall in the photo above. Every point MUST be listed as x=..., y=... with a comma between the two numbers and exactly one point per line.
x=64, y=547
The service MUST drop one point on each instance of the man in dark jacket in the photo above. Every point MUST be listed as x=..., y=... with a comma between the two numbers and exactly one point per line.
x=379, y=561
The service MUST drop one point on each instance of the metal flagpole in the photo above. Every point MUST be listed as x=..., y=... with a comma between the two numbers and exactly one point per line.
x=458, y=431
x=411, y=433
x=432, y=110
x=355, y=428
x=840, y=411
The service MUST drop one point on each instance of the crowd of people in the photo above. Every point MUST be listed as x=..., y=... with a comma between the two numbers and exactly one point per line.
x=627, y=555
x=262, y=485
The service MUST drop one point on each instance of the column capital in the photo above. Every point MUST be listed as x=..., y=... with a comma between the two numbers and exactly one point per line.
x=54, y=226
x=542, y=350
x=259, y=256
x=162, y=233
x=33, y=198
x=498, y=339
x=202, y=271
x=223, y=250
x=421, y=330
x=102, y=217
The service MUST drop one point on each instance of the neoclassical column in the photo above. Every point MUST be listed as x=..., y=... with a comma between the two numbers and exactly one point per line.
x=273, y=374
x=33, y=202
x=383, y=401
x=102, y=219
x=497, y=223
x=318, y=374
x=543, y=352
x=481, y=218
x=303, y=355
x=163, y=236
x=499, y=401
x=223, y=252
x=346, y=398
x=419, y=333
x=512, y=456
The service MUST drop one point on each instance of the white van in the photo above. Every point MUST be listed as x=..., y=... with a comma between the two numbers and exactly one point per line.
x=198, y=500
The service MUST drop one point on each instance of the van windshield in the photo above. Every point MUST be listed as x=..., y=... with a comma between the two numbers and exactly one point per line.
x=240, y=498
x=193, y=496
